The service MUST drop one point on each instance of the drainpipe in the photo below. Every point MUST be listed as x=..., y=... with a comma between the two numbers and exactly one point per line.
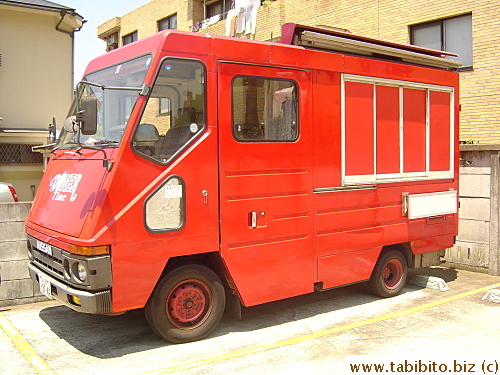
x=63, y=14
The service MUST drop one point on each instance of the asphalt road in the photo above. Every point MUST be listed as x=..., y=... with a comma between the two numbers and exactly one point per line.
x=310, y=334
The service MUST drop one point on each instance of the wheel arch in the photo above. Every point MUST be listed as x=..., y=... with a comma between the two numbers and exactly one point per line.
x=404, y=248
x=212, y=260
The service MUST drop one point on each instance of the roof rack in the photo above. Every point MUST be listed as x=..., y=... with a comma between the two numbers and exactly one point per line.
x=324, y=38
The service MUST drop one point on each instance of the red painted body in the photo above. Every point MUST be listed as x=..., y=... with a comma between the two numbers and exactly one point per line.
x=303, y=236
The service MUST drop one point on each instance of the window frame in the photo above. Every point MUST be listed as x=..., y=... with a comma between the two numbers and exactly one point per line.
x=442, y=37
x=223, y=9
x=182, y=207
x=132, y=35
x=169, y=19
x=143, y=109
x=401, y=176
x=297, y=95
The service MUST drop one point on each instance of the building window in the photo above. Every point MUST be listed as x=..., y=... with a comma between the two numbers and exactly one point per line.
x=219, y=7
x=168, y=23
x=451, y=35
x=130, y=38
x=264, y=109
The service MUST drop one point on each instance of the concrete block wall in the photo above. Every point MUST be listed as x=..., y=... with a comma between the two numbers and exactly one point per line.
x=478, y=237
x=472, y=246
x=16, y=286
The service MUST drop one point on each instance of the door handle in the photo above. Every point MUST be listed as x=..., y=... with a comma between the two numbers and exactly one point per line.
x=253, y=219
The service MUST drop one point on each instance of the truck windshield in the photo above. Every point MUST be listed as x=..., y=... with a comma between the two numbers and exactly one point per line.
x=115, y=102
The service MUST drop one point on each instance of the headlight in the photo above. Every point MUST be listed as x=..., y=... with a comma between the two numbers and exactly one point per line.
x=81, y=272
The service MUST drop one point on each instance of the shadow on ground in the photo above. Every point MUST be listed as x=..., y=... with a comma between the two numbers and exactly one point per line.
x=114, y=336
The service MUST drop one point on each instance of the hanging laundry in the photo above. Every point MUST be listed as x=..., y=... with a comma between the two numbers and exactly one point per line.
x=213, y=19
x=240, y=23
x=231, y=22
x=253, y=28
x=248, y=19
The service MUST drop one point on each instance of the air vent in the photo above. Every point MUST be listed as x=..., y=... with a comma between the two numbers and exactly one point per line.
x=19, y=153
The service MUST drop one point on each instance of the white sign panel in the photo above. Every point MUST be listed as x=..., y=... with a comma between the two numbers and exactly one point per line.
x=172, y=191
x=432, y=204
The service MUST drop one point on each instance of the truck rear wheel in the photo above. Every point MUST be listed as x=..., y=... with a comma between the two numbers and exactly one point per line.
x=187, y=304
x=389, y=276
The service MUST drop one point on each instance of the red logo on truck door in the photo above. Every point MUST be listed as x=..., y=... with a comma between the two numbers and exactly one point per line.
x=63, y=184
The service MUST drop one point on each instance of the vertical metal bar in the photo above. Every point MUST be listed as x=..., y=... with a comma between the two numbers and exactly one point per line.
x=494, y=240
x=427, y=132
x=401, y=131
x=342, y=127
x=375, y=130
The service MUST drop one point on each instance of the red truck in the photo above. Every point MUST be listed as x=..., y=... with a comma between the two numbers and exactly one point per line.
x=196, y=172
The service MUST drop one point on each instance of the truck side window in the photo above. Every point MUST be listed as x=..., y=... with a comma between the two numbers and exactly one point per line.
x=164, y=209
x=264, y=109
x=175, y=111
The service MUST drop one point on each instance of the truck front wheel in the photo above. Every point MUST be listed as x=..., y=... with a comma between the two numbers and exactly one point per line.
x=187, y=304
x=389, y=276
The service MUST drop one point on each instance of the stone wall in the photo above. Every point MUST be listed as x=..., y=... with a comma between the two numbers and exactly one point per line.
x=16, y=286
x=477, y=243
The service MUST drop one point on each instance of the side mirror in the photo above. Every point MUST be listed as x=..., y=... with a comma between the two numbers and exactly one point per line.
x=87, y=116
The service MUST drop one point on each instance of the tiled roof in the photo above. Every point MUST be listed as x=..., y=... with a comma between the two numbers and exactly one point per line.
x=38, y=4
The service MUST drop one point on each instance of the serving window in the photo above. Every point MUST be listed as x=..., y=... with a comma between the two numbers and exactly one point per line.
x=395, y=130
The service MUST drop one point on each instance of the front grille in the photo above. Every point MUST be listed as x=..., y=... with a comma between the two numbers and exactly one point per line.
x=48, y=262
x=62, y=265
x=52, y=264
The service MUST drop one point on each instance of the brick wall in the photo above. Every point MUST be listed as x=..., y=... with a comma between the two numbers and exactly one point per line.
x=390, y=20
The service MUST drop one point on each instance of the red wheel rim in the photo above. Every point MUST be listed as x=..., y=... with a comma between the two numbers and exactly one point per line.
x=393, y=274
x=189, y=304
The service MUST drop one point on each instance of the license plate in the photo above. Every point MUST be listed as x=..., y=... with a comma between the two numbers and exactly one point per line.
x=45, y=287
x=44, y=247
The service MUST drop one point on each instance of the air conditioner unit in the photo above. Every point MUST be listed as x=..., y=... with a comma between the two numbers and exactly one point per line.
x=112, y=39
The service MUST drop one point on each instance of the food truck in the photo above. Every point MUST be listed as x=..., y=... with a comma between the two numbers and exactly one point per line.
x=196, y=172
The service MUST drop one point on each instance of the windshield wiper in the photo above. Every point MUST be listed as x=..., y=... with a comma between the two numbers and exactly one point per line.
x=101, y=142
x=143, y=90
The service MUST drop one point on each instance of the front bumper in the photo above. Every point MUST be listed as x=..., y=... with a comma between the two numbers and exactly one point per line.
x=85, y=301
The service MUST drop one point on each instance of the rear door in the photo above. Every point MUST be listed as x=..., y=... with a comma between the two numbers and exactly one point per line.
x=266, y=201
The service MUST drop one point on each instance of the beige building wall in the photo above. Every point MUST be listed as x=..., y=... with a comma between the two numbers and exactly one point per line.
x=36, y=83
x=388, y=19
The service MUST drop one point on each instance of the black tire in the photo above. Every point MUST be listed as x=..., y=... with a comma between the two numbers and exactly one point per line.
x=389, y=276
x=187, y=304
